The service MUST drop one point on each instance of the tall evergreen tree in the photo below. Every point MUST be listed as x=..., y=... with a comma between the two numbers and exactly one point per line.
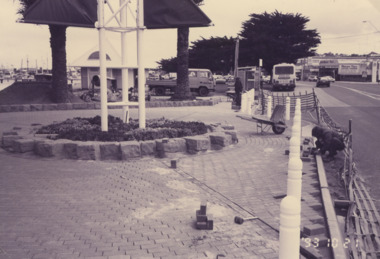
x=216, y=54
x=276, y=38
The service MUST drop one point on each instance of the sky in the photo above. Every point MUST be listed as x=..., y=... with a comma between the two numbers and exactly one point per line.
x=345, y=26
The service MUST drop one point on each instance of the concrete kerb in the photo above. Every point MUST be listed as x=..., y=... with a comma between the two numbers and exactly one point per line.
x=43, y=145
x=332, y=222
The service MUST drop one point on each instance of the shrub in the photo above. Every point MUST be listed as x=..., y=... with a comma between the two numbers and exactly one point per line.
x=89, y=129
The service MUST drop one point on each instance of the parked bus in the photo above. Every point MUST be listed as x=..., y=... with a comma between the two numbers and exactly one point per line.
x=284, y=76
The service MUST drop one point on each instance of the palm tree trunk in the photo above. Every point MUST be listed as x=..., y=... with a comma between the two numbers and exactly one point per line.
x=59, y=73
x=182, y=91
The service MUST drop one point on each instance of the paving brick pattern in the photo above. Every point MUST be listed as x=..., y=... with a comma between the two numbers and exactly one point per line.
x=144, y=209
x=253, y=175
x=139, y=209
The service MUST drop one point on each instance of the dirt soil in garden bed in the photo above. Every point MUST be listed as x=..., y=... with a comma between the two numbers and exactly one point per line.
x=333, y=170
x=30, y=93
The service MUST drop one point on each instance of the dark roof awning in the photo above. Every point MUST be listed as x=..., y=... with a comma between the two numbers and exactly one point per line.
x=158, y=14
x=79, y=13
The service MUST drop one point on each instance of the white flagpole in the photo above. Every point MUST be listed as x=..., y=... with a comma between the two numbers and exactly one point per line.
x=103, y=68
x=140, y=62
x=124, y=58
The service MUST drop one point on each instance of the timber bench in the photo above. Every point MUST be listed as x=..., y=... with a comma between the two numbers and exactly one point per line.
x=276, y=121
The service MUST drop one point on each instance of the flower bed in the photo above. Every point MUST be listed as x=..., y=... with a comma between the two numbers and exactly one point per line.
x=89, y=129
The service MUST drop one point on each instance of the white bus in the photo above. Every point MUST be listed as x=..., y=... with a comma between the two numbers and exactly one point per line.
x=284, y=76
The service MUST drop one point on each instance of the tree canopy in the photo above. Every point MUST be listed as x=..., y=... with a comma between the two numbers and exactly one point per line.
x=216, y=54
x=272, y=37
x=276, y=38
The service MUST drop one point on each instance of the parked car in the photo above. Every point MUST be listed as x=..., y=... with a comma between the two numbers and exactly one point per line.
x=312, y=78
x=323, y=81
x=330, y=78
x=230, y=78
x=266, y=79
x=220, y=80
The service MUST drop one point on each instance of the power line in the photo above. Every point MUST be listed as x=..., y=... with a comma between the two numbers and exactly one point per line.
x=350, y=36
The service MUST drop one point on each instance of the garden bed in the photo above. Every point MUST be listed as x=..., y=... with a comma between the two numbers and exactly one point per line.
x=89, y=129
x=82, y=139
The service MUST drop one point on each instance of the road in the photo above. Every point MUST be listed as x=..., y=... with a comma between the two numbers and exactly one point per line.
x=361, y=103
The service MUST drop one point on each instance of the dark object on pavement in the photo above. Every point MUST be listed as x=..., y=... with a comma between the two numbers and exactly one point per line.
x=204, y=221
x=239, y=220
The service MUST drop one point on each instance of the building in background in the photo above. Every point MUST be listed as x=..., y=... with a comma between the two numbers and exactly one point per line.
x=341, y=68
x=89, y=68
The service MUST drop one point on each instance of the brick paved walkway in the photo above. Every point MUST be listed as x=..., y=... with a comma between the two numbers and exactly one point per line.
x=143, y=209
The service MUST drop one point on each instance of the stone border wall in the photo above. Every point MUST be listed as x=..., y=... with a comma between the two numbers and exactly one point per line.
x=96, y=105
x=220, y=137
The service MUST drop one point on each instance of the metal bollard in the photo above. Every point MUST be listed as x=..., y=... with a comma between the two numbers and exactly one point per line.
x=297, y=123
x=294, y=181
x=287, y=109
x=244, y=104
x=297, y=110
x=290, y=220
x=252, y=107
x=249, y=104
x=294, y=147
x=269, y=106
x=296, y=131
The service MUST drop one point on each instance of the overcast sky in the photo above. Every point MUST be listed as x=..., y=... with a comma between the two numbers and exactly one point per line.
x=339, y=22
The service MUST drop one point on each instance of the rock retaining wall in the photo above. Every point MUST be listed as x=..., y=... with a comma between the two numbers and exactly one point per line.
x=93, y=105
x=220, y=137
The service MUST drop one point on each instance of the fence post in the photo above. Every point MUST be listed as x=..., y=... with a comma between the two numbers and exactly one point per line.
x=262, y=102
x=350, y=148
x=290, y=220
x=316, y=106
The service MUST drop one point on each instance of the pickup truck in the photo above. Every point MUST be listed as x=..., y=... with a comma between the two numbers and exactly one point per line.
x=201, y=81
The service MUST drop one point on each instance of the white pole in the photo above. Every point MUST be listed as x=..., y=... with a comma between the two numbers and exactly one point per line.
x=103, y=68
x=294, y=180
x=298, y=107
x=290, y=220
x=295, y=146
x=269, y=106
x=124, y=58
x=140, y=62
x=244, y=103
x=252, y=104
x=249, y=103
x=287, y=109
